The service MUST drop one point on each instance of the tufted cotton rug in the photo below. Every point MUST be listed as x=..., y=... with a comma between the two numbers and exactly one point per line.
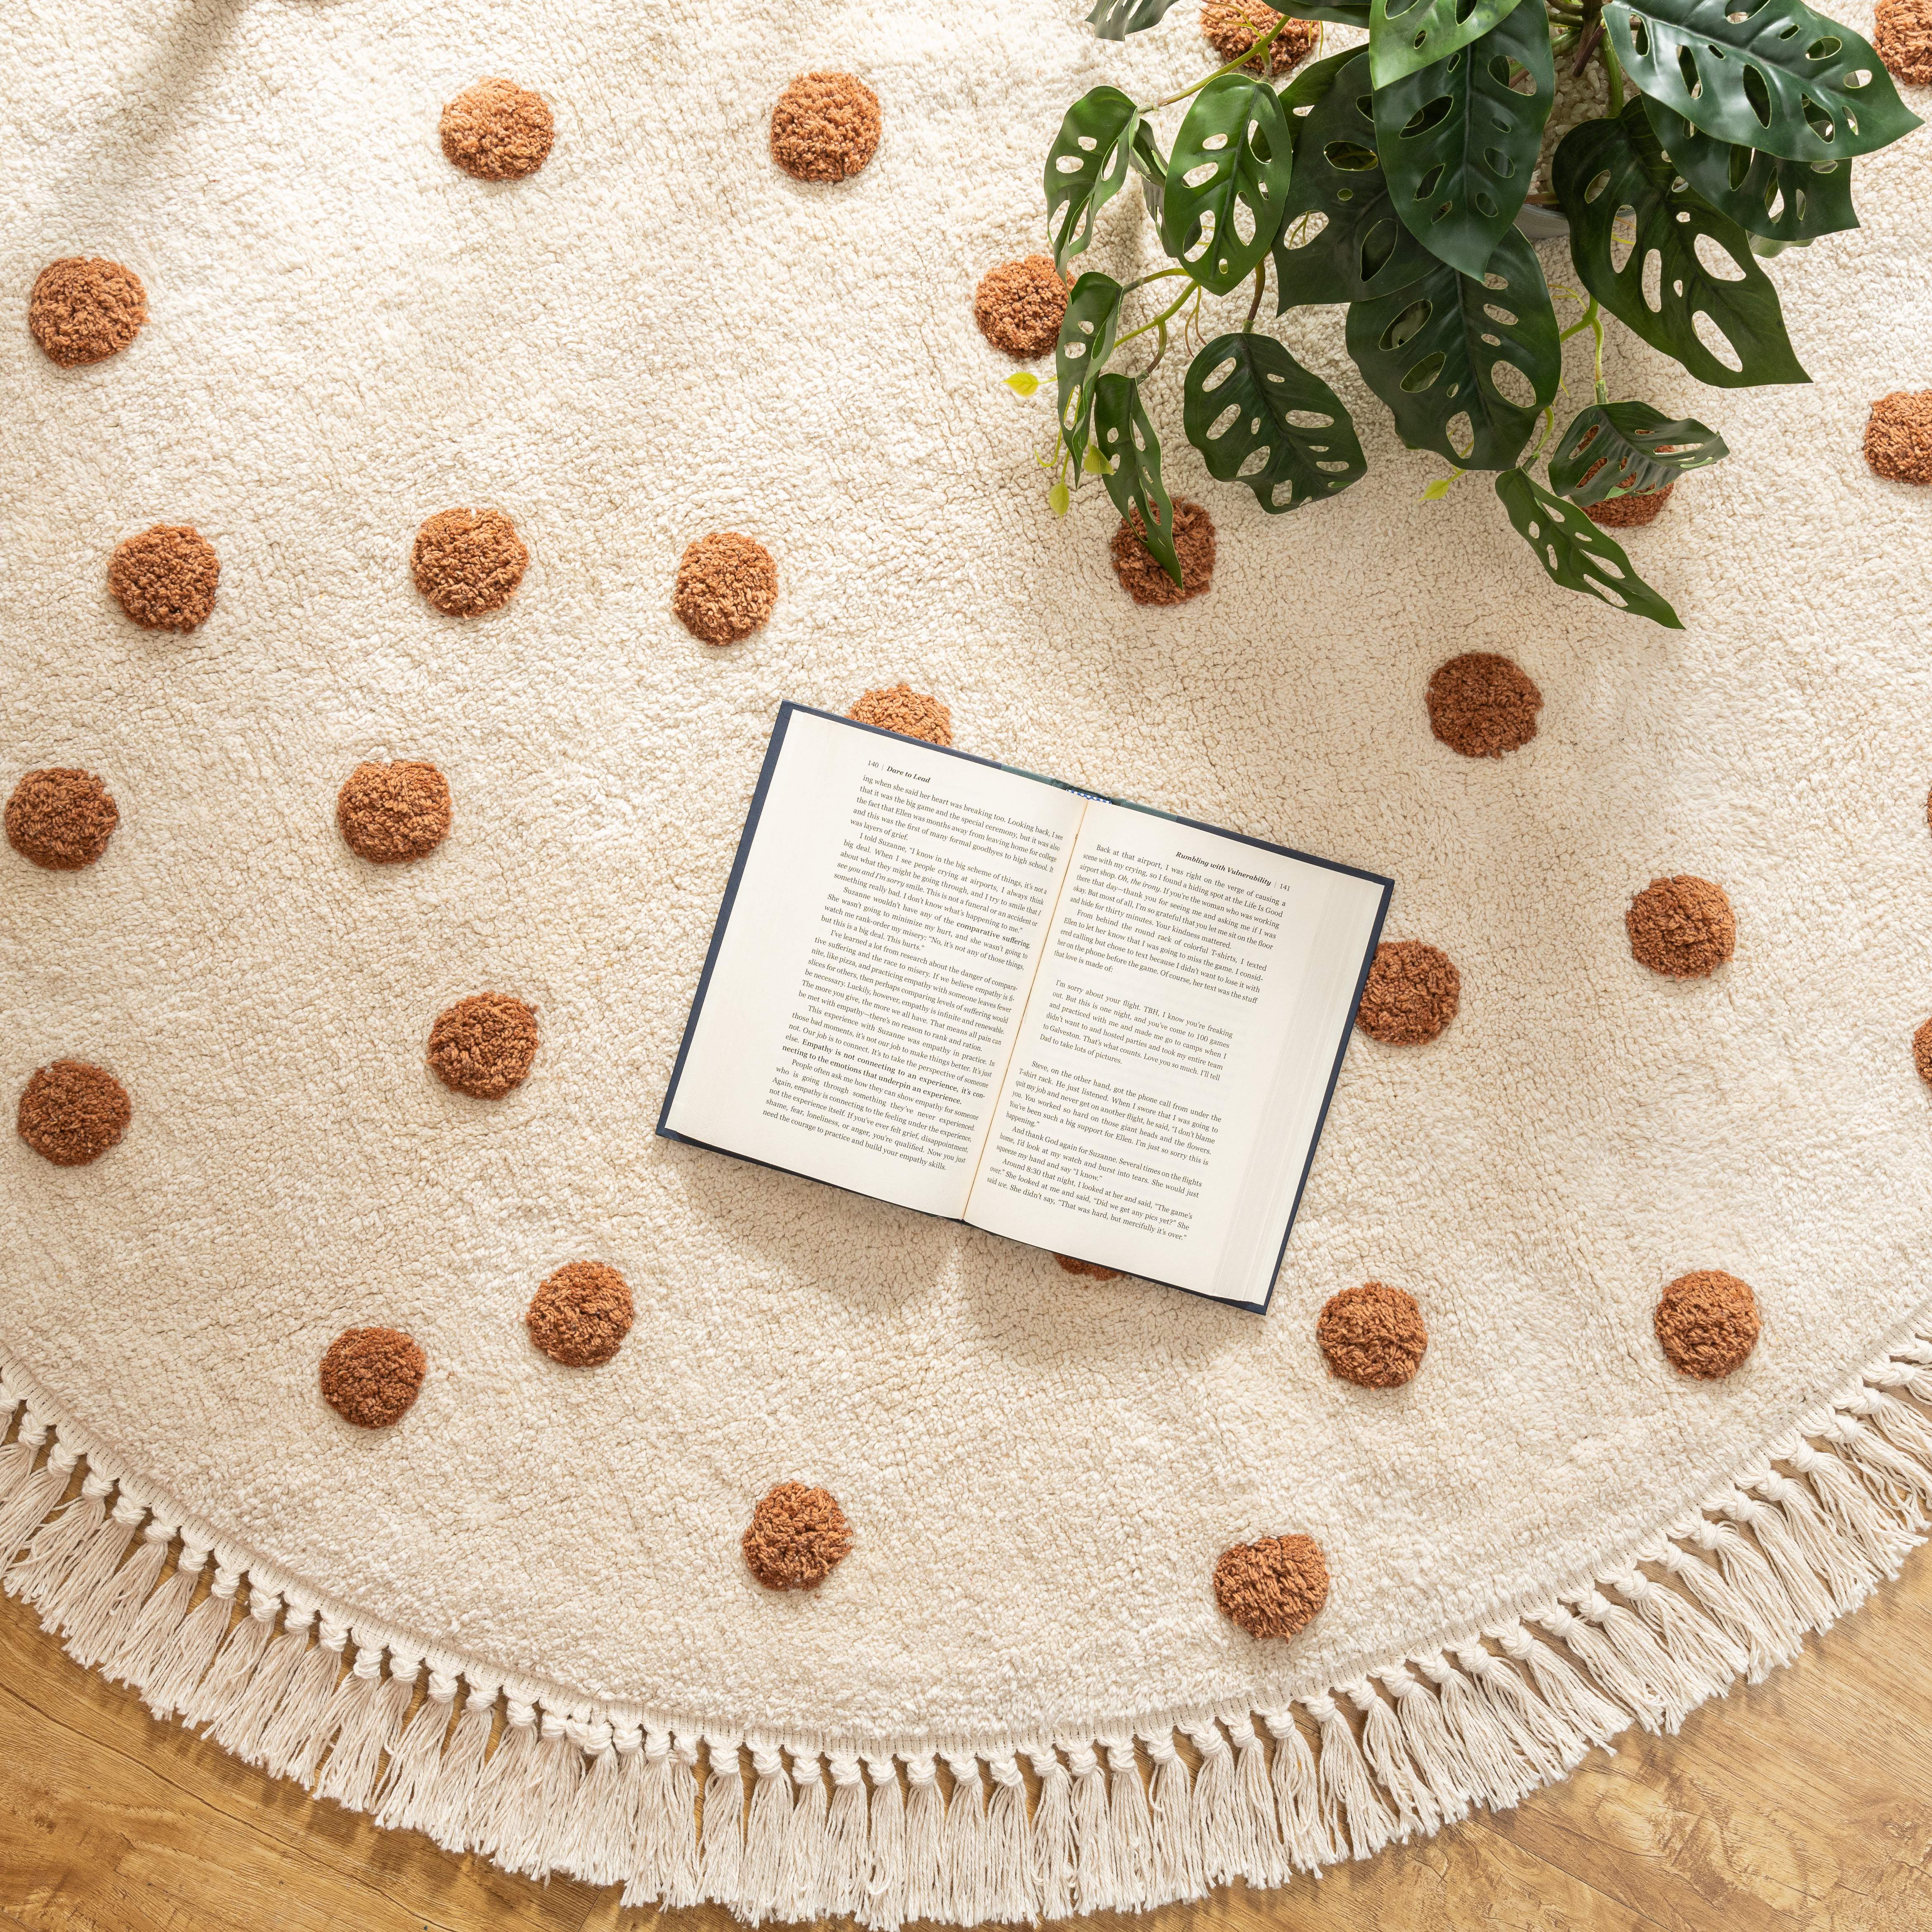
x=1548, y=1534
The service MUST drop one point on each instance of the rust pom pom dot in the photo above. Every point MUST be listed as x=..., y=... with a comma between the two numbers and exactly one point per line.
x=581, y=1315
x=825, y=127
x=1898, y=436
x=1903, y=39
x=1373, y=1336
x=1681, y=927
x=1092, y=1270
x=84, y=310
x=1624, y=513
x=913, y=714
x=371, y=1376
x=72, y=1111
x=1482, y=705
x=1273, y=1587
x=727, y=586
x=1231, y=27
x=1141, y=575
x=468, y=562
x=165, y=578
x=1413, y=992
x=797, y=1538
x=1020, y=306
x=484, y=1045
x=1707, y=1323
x=1922, y=1051
x=391, y=814
x=497, y=130
x=60, y=818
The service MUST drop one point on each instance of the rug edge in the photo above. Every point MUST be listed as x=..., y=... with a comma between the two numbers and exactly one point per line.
x=1121, y=1814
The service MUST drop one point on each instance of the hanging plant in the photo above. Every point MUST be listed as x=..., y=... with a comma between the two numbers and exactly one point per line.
x=1390, y=179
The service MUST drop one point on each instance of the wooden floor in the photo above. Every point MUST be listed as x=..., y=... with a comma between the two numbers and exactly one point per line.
x=1806, y=1803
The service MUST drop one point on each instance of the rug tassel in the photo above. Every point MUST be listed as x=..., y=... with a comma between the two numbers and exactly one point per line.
x=1872, y=1526
x=1593, y=1717
x=673, y=1788
x=28, y=1493
x=1346, y=1784
x=1177, y=1845
x=495, y=1819
x=36, y=1519
x=966, y=1841
x=885, y=1883
x=1900, y=1482
x=1604, y=1665
x=102, y=1623
x=848, y=1851
x=1498, y=1773
x=1548, y=1743
x=292, y=1742
x=1308, y=1827
x=367, y=1723
x=1666, y=1685
x=1754, y=1584
x=724, y=1821
x=142, y=1629
x=924, y=1841
x=452, y=1806
x=66, y=1602
x=1731, y=1612
x=1263, y=1862
x=1848, y=1574
x=762, y=1873
x=1451, y=1779
x=60, y=1545
x=1131, y=1853
x=1388, y=1758
x=1706, y=1654
x=801, y=1869
x=241, y=1728
x=404, y=1798
x=1216, y=1823
x=178, y=1671
x=540, y=1840
x=236, y=1663
x=1008, y=1891
x=1901, y=1425
x=604, y=1827
x=1810, y=1604
x=1093, y=1879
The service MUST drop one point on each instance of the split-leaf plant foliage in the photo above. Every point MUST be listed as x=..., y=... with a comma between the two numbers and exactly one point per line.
x=1388, y=179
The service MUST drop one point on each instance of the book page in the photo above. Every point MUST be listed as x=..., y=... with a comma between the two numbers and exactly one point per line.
x=1175, y=1058
x=871, y=968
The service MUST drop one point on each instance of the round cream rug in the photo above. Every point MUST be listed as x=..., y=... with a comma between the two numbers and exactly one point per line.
x=521, y=1616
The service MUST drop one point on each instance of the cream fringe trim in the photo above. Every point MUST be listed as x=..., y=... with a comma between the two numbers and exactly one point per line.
x=541, y=1780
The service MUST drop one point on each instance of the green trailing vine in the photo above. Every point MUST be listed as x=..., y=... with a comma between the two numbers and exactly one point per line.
x=1388, y=179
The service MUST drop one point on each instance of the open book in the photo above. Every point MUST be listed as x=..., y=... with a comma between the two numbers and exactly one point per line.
x=1081, y=1024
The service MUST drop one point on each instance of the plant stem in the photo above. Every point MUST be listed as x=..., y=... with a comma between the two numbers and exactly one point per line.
x=1591, y=319
x=1160, y=321
x=1614, y=74
x=1158, y=275
x=1254, y=306
x=1258, y=52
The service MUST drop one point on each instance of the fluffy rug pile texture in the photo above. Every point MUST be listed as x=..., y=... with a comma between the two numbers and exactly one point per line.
x=660, y=334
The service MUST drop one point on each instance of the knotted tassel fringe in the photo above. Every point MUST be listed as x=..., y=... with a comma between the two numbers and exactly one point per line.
x=177, y=1674
x=763, y=1870
x=801, y=1870
x=241, y=1728
x=1346, y=1785
x=1094, y=1885
x=884, y=1907
x=452, y=1803
x=404, y=1798
x=1176, y=1844
x=236, y=1663
x=1009, y=1894
x=1309, y=1823
x=723, y=1820
x=926, y=1887
x=27, y=1493
x=846, y=1870
x=294, y=1739
x=1130, y=1822
x=368, y=1726
x=59, y=1546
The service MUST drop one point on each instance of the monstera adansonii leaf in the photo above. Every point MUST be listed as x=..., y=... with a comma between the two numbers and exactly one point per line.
x=1431, y=351
x=1407, y=35
x=1459, y=142
x=1783, y=201
x=1087, y=335
x=1769, y=74
x=1604, y=166
x=1101, y=137
x=1257, y=417
x=1620, y=449
x=1341, y=239
x=1343, y=13
x=1115, y=19
x=1576, y=554
x=1229, y=174
x=1131, y=451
